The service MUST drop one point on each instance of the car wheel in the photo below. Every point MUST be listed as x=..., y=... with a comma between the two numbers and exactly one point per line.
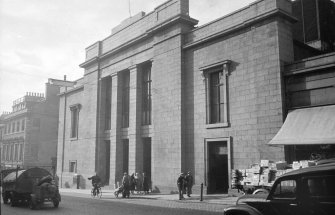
x=5, y=198
x=32, y=204
x=56, y=203
x=13, y=200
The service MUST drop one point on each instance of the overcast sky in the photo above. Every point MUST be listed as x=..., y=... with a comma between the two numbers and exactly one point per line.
x=41, y=39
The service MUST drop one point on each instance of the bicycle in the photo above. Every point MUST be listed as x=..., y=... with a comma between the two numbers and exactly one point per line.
x=96, y=191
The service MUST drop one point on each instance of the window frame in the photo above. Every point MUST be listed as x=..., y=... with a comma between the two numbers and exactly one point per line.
x=74, y=168
x=278, y=183
x=125, y=89
x=74, y=129
x=222, y=68
x=146, y=94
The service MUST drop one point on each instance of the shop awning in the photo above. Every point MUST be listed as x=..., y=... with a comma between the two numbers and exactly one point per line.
x=307, y=126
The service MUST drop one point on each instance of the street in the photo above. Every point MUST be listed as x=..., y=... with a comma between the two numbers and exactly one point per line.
x=78, y=205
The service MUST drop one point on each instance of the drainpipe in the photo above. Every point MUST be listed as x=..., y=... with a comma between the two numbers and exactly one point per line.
x=63, y=151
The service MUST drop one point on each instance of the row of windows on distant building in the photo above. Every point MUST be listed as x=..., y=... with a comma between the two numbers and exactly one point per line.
x=12, y=152
x=14, y=126
x=216, y=96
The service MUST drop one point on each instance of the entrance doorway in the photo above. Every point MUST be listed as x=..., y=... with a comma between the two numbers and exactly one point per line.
x=107, y=161
x=218, y=167
x=147, y=157
x=125, y=155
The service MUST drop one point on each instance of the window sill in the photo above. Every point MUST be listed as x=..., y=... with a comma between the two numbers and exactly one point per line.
x=73, y=138
x=217, y=125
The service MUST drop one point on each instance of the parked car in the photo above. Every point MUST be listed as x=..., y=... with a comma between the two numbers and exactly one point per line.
x=306, y=191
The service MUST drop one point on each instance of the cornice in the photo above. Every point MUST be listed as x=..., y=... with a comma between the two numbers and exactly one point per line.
x=150, y=32
x=244, y=24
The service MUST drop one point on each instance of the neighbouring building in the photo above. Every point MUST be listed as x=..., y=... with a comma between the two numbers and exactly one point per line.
x=29, y=132
x=162, y=96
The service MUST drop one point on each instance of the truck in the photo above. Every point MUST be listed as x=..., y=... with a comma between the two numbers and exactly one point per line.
x=34, y=186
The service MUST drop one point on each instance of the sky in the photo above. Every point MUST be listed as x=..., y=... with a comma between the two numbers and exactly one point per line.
x=41, y=39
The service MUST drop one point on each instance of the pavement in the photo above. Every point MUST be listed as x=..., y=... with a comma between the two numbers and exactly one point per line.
x=215, y=203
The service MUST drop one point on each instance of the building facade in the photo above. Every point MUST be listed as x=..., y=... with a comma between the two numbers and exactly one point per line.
x=161, y=96
x=29, y=132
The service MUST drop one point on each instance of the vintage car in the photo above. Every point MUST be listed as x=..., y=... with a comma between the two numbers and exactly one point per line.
x=33, y=186
x=304, y=191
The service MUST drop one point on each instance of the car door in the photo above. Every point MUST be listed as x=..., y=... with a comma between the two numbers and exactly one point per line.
x=283, y=197
x=319, y=197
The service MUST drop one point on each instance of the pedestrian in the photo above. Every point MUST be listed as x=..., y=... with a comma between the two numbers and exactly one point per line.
x=138, y=183
x=189, y=183
x=132, y=183
x=180, y=185
x=145, y=184
x=126, y=185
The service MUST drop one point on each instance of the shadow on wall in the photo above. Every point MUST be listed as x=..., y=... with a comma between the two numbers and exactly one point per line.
x=78, y=182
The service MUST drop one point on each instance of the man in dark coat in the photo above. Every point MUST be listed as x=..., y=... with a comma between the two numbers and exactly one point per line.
x=126, y=185
x=189, y=183
x=180, y=185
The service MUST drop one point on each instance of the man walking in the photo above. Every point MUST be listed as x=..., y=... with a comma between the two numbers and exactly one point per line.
x=189, y=183
x=180, y=185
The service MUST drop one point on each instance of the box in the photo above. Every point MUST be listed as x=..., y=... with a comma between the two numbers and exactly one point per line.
x=266, y=163
x=296, y=165
x=306, y=163
x=281, y=165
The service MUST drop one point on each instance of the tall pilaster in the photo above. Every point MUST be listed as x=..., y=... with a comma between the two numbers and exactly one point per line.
x=134, y=118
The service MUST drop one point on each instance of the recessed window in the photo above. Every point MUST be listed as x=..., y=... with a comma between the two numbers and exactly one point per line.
x=23, y=125
x=146, y=94
x=215, y=77
x=74, y=120
x=73, y=166
x=125, y=76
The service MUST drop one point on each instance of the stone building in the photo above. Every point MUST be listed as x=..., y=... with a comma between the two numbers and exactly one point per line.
x=29, y=133
x=162, y=96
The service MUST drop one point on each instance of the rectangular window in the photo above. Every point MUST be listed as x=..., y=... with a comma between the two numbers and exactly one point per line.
x=286, y=189
x=11, y=153
x=216, y=78
x=6, y=152
x=146, y=95
x=8, y=128
x=3, y=153
x=21, y=152
x=23, y=125
x=16, y=151
x=108, y=106
x=73, y=166
x=216, y=93
x=125, y=99
x=13, y=127
x=18, y=126
x=321, y=187
x=5, y=131
x=74, y=120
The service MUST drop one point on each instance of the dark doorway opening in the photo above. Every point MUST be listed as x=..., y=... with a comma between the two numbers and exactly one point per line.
x=147, y=157
x=108, y=146
x=218, y=181
x=125, y=154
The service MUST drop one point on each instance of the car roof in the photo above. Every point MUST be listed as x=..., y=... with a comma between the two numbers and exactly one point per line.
x=311, y=170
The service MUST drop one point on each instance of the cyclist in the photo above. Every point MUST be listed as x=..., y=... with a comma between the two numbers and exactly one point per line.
x=95, y=183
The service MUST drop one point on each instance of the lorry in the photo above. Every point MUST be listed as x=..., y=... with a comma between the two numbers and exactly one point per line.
x=34, y=186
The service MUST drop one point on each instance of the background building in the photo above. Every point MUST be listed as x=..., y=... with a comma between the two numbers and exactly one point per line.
x=29, y=132
x=162, y=96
